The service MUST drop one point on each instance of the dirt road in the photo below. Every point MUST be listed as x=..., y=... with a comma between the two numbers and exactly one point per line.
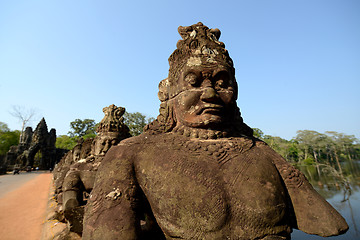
x=11, y=182
x=23, y=204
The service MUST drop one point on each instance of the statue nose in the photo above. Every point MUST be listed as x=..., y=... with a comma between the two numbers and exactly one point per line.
x=206, y=83
x=209, y=95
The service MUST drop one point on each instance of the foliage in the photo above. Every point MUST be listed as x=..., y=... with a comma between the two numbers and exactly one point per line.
x=86, y=129
x=4, y=127
x=90, y=135
x=314, y=148
x=309, y=161
x=258, y=133
x=65, y=142
x=7, y=138
x=82, y=127
x=136, y=122
x=287, y=149
x=330, y=148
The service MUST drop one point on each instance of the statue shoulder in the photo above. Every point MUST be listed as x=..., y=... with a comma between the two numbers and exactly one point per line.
x=128, y=149
x=144, y=138
x=312, y=213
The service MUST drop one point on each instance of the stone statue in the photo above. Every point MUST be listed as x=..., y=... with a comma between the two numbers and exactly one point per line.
x=81, y=150
x=197, y=172
x=79, y=180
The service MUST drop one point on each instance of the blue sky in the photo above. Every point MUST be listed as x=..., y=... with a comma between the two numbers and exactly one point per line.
x=297, y=62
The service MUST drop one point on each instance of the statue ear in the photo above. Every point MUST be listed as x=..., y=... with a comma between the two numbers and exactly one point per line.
x=163, y=93
x=171, y=117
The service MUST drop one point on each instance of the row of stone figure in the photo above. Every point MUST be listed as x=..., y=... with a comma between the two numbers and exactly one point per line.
x=196, y=172
x=74, y=175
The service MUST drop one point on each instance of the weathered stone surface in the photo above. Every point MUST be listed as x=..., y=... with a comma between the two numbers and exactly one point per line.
x=197, y=172
x=80, y=151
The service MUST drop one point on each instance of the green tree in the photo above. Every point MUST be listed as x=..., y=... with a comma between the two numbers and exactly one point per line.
x=66, y=142
x=4, y=127
x=312, y=143
x=81, y=128
x=345, y=143
x=293, y=151
x=258, y=133
x=328, y=149
x=341, y=146
x=7, y=138
x=136, y=122
x=287, y=149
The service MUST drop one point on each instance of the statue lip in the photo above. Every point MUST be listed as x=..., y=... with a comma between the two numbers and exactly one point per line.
x=210, y=109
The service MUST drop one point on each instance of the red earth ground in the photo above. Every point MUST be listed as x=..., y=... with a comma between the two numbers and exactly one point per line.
x=22, y=211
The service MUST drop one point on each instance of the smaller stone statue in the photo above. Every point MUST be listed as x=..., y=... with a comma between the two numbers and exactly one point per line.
x=79, y=180
x=81, y=150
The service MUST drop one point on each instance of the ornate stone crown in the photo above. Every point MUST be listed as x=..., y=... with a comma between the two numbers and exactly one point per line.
x=200, y=46
x=113, y=120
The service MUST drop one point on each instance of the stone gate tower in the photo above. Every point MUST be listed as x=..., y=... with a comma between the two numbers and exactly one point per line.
x=33, y=142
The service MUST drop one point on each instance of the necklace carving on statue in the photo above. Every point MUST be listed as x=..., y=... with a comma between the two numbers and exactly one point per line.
x=222, y=150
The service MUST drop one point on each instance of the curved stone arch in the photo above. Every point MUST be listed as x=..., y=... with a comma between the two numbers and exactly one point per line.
x=32, y=152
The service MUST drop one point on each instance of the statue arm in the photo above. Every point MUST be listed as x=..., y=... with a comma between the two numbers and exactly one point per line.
x=111, y=211
x=72, y=190
x=313, y=214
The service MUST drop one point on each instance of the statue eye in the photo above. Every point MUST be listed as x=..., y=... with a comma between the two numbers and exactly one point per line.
x=219, y=84
x=221, y=80
x=192, y=79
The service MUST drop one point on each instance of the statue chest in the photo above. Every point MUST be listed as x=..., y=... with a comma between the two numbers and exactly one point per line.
x=210, y=189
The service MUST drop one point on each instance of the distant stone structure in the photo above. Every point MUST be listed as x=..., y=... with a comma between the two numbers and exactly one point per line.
x=197, y=172
x=3, y=167
x=74, y=175
x=39, y=142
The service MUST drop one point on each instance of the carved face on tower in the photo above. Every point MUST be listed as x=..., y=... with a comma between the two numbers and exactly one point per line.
x=207, y=97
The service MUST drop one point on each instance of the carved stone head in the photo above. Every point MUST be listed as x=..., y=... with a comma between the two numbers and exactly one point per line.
x=200, y=91
x=103, y=142
x=76, y=152
x=111, y=130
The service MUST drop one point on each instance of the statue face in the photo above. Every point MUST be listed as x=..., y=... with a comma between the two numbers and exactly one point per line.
x=102, y=144
x=76, y=154
x=207, y=97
